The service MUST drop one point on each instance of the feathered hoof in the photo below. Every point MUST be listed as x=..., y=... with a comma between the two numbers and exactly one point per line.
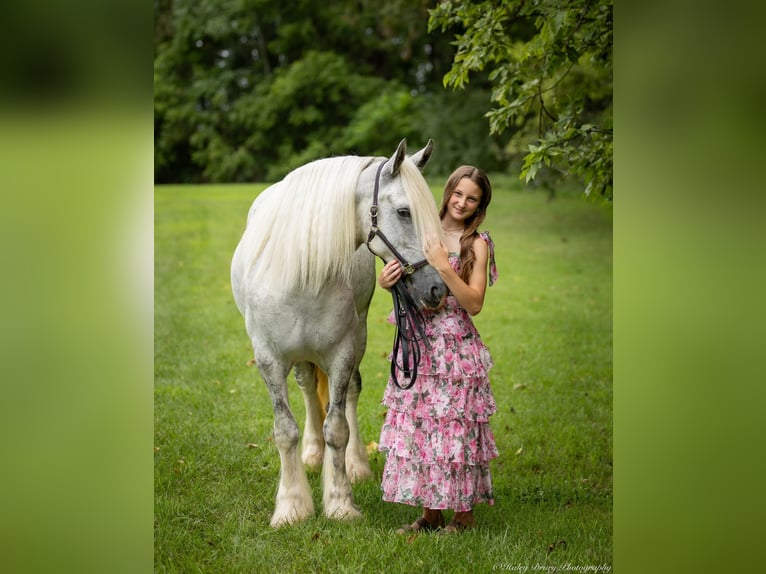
x=279, y=519
x=291, y=509
x=358, y=472
x=313, y=457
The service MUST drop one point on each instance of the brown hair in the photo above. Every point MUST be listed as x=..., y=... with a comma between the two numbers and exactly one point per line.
x=470, y=232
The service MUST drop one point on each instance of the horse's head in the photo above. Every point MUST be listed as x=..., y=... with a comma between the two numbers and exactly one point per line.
x=398, y=216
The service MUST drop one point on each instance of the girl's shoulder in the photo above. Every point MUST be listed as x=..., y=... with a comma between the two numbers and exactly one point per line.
x=480, y=242
x=489, y=246
x=485, y=236
x=483, y=239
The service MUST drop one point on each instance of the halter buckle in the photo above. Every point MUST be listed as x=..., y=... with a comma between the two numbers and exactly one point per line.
x=409, y=269
x=373, y=211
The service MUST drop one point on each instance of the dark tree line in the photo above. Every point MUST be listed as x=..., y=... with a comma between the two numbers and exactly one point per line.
x=246, y=90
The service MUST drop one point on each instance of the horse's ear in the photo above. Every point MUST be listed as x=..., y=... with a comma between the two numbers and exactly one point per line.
x=398, y=157
x=420, y=158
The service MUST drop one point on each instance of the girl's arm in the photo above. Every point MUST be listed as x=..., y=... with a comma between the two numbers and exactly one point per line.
x=470, y=295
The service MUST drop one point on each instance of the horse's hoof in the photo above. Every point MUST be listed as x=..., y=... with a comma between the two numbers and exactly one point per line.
x=359, y=473
x=292, y=507
x=278, y=520
x=313, y=457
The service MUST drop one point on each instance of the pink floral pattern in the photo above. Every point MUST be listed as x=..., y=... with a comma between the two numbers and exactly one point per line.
x=436, y=435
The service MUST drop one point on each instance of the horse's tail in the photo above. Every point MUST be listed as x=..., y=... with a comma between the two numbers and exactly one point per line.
x=323, y=390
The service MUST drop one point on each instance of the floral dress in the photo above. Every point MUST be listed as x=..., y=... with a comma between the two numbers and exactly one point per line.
x=436, y=435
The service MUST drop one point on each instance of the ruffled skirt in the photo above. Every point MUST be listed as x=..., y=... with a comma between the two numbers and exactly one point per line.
x=436, y=435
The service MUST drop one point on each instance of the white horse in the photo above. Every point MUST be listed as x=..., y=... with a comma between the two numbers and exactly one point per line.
x=303, y=280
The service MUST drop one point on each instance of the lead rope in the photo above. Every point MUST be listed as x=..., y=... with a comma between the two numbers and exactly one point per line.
x=409, y=330
x=409, y=319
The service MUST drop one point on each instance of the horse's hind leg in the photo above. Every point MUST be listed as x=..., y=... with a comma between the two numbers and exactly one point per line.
x=294, y=502
x=357, y=464
x=313, y=442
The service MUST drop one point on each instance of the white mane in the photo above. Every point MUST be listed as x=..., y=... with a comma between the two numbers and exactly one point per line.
x=301, y=231
x=425, y=216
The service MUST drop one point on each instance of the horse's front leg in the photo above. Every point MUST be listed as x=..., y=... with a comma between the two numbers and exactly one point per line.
x=313, y=441
x=294, y=502
x=337, y=495
x=357, y=463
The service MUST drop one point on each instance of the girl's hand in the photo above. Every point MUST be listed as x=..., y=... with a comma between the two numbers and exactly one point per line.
x=391, y=273
x=436, y=253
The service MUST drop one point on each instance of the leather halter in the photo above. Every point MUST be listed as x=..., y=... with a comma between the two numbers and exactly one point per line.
x=408, y=268
x=409, y=319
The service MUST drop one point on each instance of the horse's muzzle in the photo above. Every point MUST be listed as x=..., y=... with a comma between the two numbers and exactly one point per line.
x=426, y=287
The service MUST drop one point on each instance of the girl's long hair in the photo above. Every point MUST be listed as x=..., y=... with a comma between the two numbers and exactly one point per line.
x=476, y=175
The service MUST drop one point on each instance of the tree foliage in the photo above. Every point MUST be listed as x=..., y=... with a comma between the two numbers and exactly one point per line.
x=549, y=63
x=248, y=89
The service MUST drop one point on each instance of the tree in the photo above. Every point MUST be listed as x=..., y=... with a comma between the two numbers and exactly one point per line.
x=550, y=68
x=246, y=90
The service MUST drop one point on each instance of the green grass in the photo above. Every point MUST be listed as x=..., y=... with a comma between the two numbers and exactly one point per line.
x=548, y=324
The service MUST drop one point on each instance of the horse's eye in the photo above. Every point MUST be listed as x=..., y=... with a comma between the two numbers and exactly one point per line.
x=403, y=212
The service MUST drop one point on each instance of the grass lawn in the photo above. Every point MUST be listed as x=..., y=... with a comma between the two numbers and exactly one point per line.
x=548, y=324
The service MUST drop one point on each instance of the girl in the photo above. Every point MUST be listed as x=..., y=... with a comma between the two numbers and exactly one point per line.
x=436, y=435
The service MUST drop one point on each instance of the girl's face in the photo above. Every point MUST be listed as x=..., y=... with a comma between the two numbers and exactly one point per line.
x=464, y=201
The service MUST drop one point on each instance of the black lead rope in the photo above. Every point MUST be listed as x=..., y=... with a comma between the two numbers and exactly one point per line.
x=409, y=319
x=409, y=331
